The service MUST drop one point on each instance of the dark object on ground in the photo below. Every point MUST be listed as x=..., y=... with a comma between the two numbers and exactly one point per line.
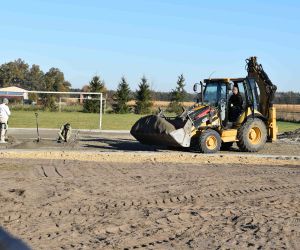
x=8, y=242
x=295, y=135
x=64, y=133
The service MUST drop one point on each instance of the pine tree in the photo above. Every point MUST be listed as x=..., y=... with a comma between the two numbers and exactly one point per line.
x=143, y=97
x=95, y=85
x=177, y=96
x=121, y=97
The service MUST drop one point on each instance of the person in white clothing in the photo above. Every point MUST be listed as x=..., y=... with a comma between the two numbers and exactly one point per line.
x=4, y=115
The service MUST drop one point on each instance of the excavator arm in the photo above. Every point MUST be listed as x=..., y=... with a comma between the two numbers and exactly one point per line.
x=266, y=88
x=267, y=92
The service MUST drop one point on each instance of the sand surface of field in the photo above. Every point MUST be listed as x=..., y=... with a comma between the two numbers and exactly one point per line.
x=108, y=191
x=151, y=203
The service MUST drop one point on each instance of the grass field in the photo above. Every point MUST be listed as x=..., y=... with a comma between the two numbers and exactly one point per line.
x=26, y=119
x=287, y=126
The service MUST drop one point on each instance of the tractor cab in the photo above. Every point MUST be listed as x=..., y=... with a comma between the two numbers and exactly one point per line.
x=232, y=97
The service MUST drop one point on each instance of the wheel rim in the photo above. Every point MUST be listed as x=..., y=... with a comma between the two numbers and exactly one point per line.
x=211, y=142
x=254, y=135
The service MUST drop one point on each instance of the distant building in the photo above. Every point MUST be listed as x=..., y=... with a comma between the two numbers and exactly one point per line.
x=14, y=93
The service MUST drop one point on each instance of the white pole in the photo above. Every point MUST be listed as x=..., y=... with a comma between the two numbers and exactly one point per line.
x=100, y=119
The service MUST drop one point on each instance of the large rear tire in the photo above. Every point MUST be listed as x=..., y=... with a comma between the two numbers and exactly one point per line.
x=209, y=142
x=252, y=135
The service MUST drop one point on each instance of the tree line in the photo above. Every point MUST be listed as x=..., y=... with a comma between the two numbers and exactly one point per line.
x=143, y=96
x=289, y=97
x=19, y=73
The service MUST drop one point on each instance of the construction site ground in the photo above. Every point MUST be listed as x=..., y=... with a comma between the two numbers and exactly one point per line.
x=107, y=191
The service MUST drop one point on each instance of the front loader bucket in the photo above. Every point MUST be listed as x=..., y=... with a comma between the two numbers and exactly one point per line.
x=161, y=131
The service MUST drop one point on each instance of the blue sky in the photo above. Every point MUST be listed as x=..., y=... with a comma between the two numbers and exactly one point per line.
x=159, y=39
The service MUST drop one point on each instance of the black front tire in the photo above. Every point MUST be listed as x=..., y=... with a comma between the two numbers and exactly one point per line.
x=209, y=142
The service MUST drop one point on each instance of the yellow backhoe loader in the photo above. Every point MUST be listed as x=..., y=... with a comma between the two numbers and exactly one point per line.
x=213, y=123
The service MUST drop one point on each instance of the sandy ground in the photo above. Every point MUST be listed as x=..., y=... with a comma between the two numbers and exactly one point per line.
x=109, y=192
x=65, y=204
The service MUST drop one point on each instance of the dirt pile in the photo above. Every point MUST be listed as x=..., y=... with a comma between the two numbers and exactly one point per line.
x=293, y=136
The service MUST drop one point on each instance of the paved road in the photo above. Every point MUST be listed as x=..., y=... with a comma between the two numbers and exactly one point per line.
x=31, y=133
x=106, y=140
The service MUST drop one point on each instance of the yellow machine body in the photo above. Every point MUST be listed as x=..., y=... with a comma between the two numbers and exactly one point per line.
x=209, y=123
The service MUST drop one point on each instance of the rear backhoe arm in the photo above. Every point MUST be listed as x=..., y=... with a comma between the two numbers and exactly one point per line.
x=266, y=88
x=267, y=92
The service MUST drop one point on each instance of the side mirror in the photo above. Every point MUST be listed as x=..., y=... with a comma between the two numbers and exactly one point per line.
x=195, y=87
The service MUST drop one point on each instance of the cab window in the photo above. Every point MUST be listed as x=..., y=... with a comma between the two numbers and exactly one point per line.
x=214, y=92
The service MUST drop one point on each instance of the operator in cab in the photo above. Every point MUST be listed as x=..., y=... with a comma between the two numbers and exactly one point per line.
x=235, y=104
